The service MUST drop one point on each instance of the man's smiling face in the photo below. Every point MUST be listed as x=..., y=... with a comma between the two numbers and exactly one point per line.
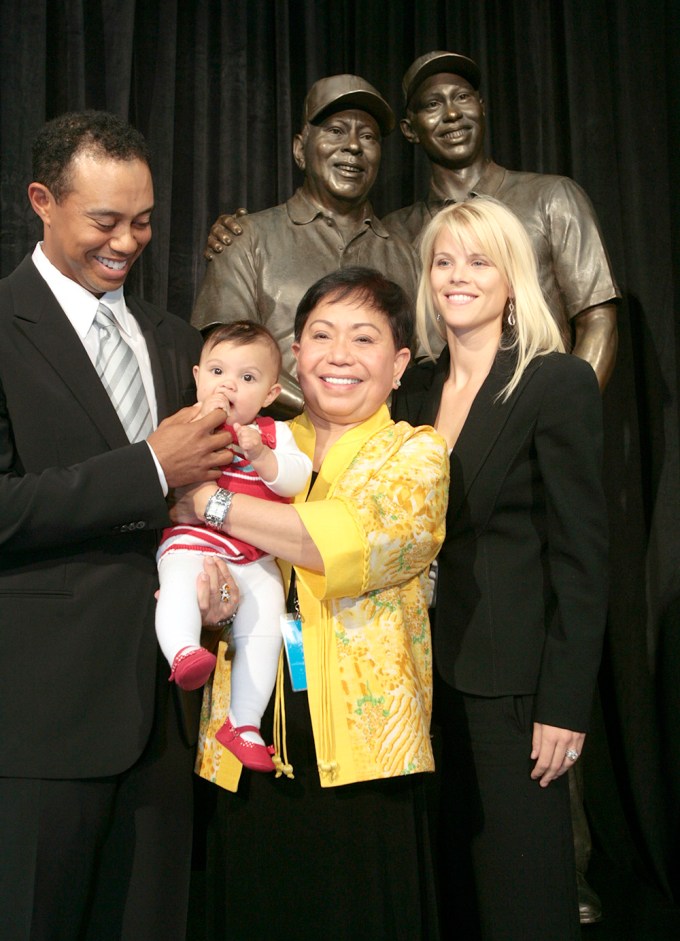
x=102, y=225
x=446, y=117
x=340, y=157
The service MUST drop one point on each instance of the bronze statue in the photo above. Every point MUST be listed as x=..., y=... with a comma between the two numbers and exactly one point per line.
x=328, y=223
x=445, y=115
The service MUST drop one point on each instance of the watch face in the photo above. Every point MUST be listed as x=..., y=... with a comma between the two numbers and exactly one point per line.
x=217, y=508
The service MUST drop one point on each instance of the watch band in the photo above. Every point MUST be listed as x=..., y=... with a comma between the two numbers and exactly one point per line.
x=217, y=508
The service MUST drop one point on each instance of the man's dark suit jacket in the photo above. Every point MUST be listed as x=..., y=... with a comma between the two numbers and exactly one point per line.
x=522, y=586
x=79, y=511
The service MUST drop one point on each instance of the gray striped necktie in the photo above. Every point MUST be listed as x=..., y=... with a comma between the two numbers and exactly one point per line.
x=118, y=370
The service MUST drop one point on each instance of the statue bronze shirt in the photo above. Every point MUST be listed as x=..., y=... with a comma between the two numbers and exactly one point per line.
x=263, y=274
x=574, y=268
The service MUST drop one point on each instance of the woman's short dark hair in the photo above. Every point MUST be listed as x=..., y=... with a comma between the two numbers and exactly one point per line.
x=365, y=286
x=97, y=132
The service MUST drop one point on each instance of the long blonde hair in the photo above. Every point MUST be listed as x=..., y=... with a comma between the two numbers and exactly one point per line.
x=503, y=239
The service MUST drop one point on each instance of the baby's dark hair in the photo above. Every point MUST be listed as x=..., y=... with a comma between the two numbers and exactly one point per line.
x=242, y=333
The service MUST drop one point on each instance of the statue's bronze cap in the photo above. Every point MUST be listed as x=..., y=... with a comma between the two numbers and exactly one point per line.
x=432, y=63
x=340, y=92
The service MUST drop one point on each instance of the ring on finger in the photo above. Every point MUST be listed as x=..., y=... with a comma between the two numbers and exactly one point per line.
x=571, y=754
x=225, y=595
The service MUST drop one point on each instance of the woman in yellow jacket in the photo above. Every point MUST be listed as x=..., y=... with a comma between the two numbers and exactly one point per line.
x=337, y=847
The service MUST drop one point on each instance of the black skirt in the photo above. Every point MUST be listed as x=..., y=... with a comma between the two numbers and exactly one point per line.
x=288, y=860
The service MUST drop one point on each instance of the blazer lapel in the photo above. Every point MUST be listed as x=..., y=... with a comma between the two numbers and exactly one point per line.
x=484, y=423
x=421, y=405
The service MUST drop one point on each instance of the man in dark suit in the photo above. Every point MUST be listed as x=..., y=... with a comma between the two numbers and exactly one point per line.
x=95, y=763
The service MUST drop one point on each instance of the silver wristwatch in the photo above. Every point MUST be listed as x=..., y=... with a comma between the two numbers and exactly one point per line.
x=217, y=508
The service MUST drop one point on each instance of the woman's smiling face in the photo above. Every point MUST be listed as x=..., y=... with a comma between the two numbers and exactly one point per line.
x=468, y=291
x=347, y=362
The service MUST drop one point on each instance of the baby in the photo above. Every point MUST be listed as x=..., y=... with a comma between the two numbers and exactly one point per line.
x=238, y=371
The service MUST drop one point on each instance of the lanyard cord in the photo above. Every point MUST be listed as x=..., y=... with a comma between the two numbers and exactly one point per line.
x=292, y=603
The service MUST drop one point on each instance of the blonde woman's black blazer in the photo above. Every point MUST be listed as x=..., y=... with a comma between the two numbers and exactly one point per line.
x=522, y=590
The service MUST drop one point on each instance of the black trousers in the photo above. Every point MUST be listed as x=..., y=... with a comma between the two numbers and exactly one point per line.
x=102, y=859
x=506, y=851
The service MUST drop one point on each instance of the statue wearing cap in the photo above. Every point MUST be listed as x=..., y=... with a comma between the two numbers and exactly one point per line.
x=445, y=115
x=327, y=224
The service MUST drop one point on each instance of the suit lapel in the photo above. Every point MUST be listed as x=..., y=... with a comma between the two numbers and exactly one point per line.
x=159, y=344
x=44, y=324
x=422, y=404
x=485, y=421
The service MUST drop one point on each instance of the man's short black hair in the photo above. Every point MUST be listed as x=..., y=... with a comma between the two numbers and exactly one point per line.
x=96, y=132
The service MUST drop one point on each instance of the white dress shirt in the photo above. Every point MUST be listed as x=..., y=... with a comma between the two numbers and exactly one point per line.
x=80, y=307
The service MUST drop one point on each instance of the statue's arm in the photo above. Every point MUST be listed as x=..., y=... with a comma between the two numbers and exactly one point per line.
x=233, y=290
x=583, y=273
x=230, y=286
x=596, y=339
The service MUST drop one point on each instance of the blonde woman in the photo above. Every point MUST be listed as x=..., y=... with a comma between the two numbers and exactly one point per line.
x=522, y=587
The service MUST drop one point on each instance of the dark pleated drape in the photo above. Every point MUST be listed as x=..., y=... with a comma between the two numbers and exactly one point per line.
x=591, y=90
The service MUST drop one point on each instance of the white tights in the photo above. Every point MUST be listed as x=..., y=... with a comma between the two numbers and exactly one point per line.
x=256, y=631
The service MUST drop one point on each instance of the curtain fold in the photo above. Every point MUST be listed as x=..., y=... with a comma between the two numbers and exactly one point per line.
x=588, y=90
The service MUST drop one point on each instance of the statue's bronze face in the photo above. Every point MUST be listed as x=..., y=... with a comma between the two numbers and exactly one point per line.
x=446, y=117
x=340, y=157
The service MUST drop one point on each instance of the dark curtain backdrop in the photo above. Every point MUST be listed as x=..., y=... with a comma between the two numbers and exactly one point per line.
x=588, y=89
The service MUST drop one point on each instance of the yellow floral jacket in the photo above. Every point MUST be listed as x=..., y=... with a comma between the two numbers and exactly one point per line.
x=376, y=513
